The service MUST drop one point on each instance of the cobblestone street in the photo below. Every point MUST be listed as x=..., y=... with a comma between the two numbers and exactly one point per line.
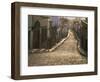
x=67, y=53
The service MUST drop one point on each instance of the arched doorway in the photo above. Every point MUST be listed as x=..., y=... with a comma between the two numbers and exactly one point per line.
x=36, y=35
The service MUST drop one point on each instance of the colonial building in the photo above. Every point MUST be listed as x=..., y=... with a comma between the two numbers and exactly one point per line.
x=37, y=26
x=45, y=31
x=80, y=26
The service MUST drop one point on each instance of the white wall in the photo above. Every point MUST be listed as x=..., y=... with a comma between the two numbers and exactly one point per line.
x=5, y=40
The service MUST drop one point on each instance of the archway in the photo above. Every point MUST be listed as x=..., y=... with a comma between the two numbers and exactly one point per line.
x=36, y=35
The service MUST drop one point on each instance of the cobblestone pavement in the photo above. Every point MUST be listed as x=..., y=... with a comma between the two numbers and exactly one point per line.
x=65, y=54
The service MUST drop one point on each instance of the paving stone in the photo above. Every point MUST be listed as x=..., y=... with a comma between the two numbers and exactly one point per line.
x=65, y=54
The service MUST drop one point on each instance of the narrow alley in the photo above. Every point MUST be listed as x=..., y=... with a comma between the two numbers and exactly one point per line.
x=66, y=54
